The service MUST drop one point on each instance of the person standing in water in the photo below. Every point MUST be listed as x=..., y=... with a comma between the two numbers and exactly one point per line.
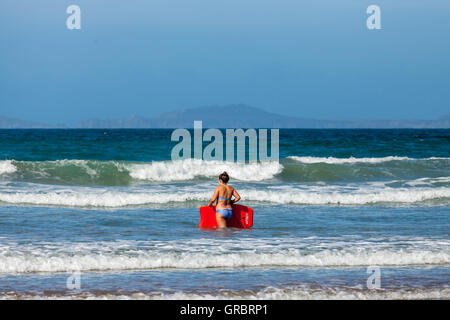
x=222, y=195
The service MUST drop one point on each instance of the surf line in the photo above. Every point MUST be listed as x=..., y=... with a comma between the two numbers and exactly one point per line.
x=257, y=144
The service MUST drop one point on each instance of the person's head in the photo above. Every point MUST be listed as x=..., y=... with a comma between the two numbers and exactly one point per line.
x=224, y=177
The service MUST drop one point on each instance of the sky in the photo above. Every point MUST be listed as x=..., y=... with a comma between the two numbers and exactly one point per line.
x=310, y=59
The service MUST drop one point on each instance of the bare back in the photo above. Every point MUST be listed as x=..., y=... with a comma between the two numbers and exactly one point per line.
x=225, y=192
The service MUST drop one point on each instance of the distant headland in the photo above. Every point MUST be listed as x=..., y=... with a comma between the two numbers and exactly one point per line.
x=232, y=116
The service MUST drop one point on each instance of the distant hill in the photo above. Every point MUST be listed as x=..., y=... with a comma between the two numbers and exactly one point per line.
x=234, y=116
x=230, y=116
x=243, y=116
x=11, y=123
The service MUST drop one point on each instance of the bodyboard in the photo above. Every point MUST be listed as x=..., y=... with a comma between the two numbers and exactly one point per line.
x=242, y=217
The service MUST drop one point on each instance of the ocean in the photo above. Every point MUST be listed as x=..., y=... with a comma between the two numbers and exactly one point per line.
x=343, y=214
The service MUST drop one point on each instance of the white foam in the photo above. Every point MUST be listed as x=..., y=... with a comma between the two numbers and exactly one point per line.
x=268, y=293
x=189, y=169
x=199, y=254
x=427, y=181
x=92, y=197
x=358, y=196
x=147, y=261
x=333, y=160
x=6, y=166
x=366, y=194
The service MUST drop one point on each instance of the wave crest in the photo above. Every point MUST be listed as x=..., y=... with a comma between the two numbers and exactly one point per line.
x=6, y=166
x=306, y=195
x=333, y=160
x=93, y=172
x=195, y=254
x=189, y=169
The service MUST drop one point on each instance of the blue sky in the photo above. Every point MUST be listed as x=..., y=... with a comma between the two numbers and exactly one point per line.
x=312, y=58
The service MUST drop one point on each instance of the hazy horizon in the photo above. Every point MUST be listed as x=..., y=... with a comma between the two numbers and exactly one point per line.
x=72, y=123
x=232, y=116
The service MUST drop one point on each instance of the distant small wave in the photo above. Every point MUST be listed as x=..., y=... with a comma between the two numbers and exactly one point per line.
x=333, y=160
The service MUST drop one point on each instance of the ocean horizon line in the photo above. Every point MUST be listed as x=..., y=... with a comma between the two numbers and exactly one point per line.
x=233, y=116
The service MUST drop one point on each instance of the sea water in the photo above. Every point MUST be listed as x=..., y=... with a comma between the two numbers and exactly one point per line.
x=94, y=214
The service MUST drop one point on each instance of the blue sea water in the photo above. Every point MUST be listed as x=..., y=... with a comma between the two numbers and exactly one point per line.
x=110, y=209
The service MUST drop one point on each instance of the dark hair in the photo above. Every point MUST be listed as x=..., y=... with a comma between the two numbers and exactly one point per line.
x=224, y=177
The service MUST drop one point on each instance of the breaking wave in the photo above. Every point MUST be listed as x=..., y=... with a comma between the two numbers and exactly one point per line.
x=189, y=169
x=197, y=254
x=93, y=172
x=6, y=166
x=367, y=194
x=291, y=169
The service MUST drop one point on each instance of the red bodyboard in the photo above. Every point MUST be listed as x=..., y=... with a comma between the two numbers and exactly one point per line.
x=242, y=217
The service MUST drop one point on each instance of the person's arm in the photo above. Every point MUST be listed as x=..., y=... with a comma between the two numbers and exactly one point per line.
x=214, y=197
x=236, y=195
